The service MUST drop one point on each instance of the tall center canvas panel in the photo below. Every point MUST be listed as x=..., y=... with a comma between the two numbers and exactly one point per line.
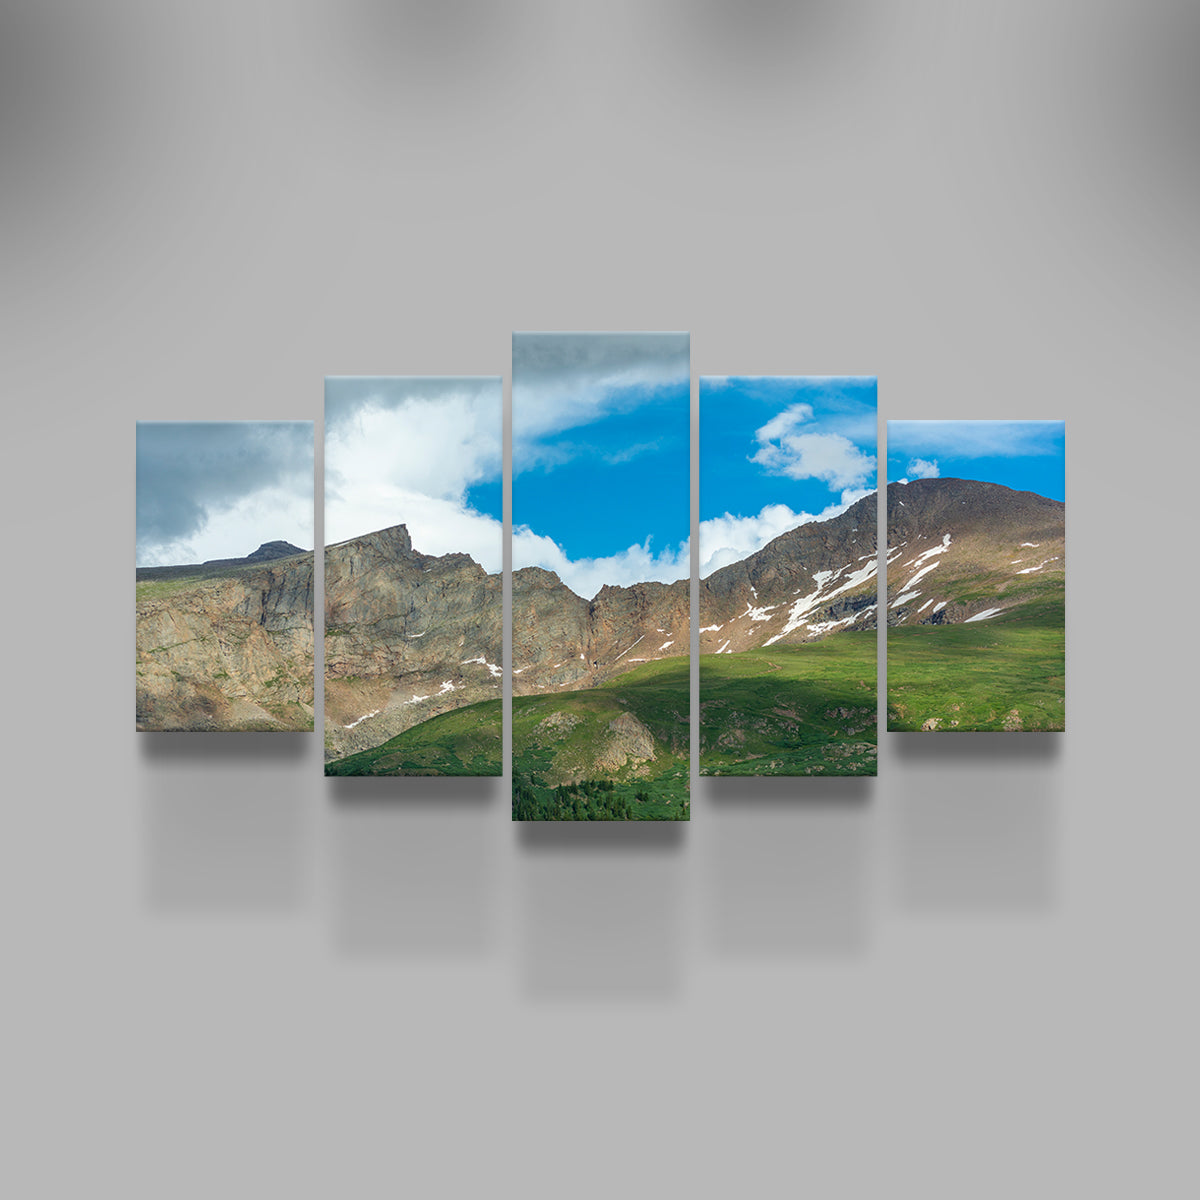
x=601, y=615
x=788, y=576
x=413, y=587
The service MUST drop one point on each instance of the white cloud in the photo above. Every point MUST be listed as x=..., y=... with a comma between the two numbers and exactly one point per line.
x=785, y=448
x=410, y=461
x=437, y=447
x=728, y=539
x=237, y=529
x=923, y=468
x=586, y=576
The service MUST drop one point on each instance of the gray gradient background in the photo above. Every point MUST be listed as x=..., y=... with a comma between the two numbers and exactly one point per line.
x=973, y=977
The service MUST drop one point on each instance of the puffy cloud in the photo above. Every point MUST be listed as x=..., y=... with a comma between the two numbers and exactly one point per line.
x=435, y=441
x=923, y=468
x=786, y=448
x=586, y=576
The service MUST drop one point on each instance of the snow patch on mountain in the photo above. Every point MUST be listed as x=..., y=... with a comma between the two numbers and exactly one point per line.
x=802, y=607
x=1030, y=570
x=986, y=615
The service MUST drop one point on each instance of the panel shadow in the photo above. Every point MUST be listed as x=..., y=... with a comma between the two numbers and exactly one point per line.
x=412, y=866
x=600, y=910
x=789, y=866
x=225, y=828
x=976, y=821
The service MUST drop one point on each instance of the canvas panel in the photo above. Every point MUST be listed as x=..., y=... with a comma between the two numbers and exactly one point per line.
x=976, y=576
x=224, y=576
x=601, y=621
x=413, y=586
x=788, y=606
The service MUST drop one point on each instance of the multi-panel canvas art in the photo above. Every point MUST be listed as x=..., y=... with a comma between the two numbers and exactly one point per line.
x=788, y=576
x=224, y=576
x=601, y=618
x=413, y=590
x=976, y=577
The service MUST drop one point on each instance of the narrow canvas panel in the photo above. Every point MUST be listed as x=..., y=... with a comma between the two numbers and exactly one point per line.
x=976, y=578
x=224, y=575
x=601, y=620
x=788, y=566
x=413, y=588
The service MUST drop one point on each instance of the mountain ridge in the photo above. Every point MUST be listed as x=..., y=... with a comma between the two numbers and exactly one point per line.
x=266, y=552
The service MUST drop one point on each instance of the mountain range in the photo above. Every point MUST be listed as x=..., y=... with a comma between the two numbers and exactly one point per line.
x=408, y=636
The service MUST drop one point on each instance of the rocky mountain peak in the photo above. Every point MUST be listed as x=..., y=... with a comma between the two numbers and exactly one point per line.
x=269, y=550
x=965, y=550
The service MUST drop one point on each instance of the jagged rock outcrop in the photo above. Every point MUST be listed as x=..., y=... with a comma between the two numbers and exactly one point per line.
x=407, y=636
x=561, y=641
x=226, y=645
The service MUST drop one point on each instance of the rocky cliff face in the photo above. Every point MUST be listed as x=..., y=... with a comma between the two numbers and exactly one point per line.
x=227, y=645
x=407, y=636
x=963, y=550
x=561, y=641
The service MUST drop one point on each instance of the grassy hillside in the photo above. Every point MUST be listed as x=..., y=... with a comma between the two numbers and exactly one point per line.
x=791, y=710
x=1003, y=674
x=463, y=742
x=631, y=732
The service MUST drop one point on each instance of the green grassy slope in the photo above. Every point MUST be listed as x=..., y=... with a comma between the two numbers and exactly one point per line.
x=1003, y=674
x=463, y=742
x=791, y=710
x=563, y=739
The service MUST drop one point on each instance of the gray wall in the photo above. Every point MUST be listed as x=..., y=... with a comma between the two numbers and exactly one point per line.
x=973, y=977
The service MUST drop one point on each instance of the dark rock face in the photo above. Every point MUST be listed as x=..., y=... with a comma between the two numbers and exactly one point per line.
x=269, y=550
x=407, y=636
x=852, y=604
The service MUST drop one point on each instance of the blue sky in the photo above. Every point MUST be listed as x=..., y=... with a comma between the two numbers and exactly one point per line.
x=1027, y=455
x=776, y=452
x=421, y=451
x=601, y=472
